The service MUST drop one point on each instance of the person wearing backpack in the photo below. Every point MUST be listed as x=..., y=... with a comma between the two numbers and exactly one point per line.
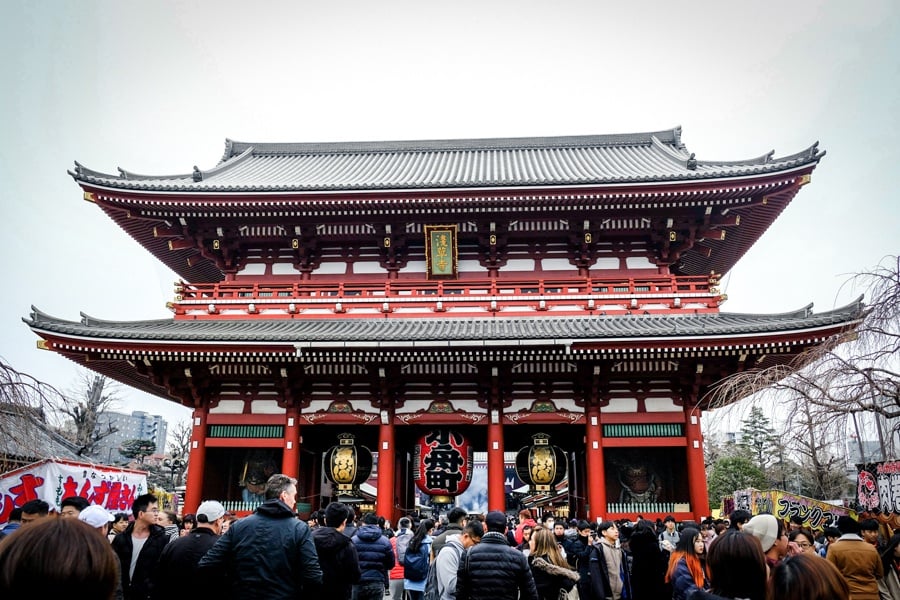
x=441, y=584
x=416, y=561
x=376, y=558
x=399, y=543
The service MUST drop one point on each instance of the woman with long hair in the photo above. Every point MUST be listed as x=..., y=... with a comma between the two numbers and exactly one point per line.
x=737, y=568
x=552, y=574
x=889, y=585
x=687, y=565
x=417, y=553
x=807, y=577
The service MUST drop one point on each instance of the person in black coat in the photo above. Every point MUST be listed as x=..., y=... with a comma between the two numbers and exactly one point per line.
x=648, y=563
x=552, y=574
x=492, y=570
x=337, y=554
x=271, y=553
x=176, y=574
x=376, y=559
x=137, y=576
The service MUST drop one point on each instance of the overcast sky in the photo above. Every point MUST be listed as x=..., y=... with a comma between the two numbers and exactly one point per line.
x=156, y=87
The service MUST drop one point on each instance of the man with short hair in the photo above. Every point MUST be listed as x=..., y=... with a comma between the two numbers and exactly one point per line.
x=13, y=522
x=612, y=567
x=177, y=575
x=857, y=560
x=271, y=553
x=446, y=562
x=668, y=538
x=71, y=506
x=376, y=558
x=456, y=518
x=738, y=518
x=868, y=530
x=493, y=570
x=337, y=554
x=139, y=548
x=34, y=510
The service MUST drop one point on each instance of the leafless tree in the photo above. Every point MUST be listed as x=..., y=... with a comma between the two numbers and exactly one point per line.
x=857, y=374
x=24, y=404
x=82, y=420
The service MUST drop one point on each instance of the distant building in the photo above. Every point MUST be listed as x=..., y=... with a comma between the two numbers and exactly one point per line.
x=139, y=425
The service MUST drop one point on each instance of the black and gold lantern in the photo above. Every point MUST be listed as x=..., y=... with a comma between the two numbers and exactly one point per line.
x=347, y=465
x=541, y=465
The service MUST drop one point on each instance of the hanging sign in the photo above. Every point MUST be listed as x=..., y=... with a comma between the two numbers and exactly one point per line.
x=541, y=465
x=440, y=251
x=442, y=464
x=347, y=465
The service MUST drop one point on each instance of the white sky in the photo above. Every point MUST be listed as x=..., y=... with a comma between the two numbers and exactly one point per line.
x=156, y=87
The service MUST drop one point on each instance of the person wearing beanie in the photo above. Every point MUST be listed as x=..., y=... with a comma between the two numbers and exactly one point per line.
x=770, y=533
x=857, y=560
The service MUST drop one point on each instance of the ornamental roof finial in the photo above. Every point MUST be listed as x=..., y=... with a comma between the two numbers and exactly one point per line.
x=197, y=176
x=692, y=163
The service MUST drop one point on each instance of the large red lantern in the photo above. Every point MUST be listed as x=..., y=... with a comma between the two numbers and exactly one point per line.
x=347, y=465
x=442, y=465
x=541, y=465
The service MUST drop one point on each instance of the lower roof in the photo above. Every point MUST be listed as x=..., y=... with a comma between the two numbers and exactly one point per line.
x=507, y=332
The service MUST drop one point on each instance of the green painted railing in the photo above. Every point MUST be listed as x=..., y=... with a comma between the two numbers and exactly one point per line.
x=624, y=430
x=246, y=431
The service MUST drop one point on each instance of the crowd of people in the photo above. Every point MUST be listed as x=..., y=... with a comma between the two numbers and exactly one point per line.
x=152, y=554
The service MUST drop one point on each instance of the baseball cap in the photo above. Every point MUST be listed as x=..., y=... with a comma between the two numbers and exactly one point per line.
x=95, y=516
x=210, y=510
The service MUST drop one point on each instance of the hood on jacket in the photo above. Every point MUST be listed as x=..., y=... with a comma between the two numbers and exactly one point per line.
x=275, y=509
x=330, y=539
x=551, y=569
x=369, y=533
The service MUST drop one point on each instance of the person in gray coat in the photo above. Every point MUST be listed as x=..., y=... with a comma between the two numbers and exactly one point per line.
x=447, y=560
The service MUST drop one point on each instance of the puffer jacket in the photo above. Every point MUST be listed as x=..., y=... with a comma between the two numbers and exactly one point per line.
x=549, y=578
x=492, y=570
x=339, y=562
x=376, y=556
x=269, y=555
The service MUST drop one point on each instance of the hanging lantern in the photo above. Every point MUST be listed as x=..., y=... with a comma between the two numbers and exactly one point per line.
x=442, y=465
x=347, y=465
x=541, y=465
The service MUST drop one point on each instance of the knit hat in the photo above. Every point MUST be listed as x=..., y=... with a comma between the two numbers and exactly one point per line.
x=95, y=516
x=210, y=511
x=764, y=528
x=495, y=520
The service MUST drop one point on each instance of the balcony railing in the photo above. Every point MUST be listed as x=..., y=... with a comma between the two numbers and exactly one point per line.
x=569, y=295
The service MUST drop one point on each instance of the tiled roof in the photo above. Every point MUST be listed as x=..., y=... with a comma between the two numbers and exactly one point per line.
x=25, y=438
x=434, y=332
x=438, y=164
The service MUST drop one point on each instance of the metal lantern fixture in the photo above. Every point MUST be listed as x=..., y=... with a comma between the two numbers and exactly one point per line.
x=347, y=465
x=541, y=465
x=442, y=465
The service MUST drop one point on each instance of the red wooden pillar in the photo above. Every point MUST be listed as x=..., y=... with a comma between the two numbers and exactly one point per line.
x=290, y=461
x=696, y=470
x=495, y=463
x=595, y=471
x=193, y=495
x=384, y=503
